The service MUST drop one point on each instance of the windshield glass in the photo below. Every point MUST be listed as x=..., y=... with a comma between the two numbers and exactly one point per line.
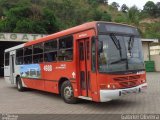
x=119, y=53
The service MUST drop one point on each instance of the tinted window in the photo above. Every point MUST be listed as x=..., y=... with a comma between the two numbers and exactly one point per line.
x=64, y=55
x=28, y=51
x=117, y=28
x=50, y=49
x=28, y=55
x=50, y=56
x=27, y=59
x=19, y=56
x=19, y=53
x=65, y=48
x=38, y=58
x=50, y=46
x=19, y=60
x=66, y=42
x=38, y=53
x=38, y=48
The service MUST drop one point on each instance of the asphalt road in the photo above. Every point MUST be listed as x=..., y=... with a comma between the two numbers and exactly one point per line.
x=38, y=102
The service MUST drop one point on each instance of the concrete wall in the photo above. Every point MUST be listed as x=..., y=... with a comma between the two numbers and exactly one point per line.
x=156, y=59
x=145, y=51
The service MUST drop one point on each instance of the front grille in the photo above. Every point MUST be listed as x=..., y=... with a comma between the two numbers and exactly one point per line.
x=134, y=77
x=127, y=78
x=128, y=84
x=127, y=81
x=121, y=78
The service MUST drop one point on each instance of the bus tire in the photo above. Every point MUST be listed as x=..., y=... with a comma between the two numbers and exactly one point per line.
x=67, y=93
x=19, y=85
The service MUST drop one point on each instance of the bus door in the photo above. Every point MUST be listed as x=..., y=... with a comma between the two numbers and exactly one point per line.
x=12, y=66
x=84, y=67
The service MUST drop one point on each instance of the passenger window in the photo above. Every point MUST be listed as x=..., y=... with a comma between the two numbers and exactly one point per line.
x=66, y=42
x=38, y=53
x=28, y=51
x=50, y=49
x=19, y=56
x=27, y=59
x=38, y=48
x=50, y=56
x=50, y=46
x=28, y=55
x=65, y=49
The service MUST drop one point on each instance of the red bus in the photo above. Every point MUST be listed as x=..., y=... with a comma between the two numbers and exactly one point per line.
x=97, y=61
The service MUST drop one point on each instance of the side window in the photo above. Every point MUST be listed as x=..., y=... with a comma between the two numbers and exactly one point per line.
x=65, y=49
x=50, y=51
x=19, y=56
x=28, y=55
x=38, y=53
x=93, y=46
x=7, y=59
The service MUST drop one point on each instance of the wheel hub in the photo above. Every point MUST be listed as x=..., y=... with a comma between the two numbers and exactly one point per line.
x=68, y=92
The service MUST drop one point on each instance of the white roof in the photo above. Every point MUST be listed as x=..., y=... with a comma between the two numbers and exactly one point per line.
x=150, y=40
x=15, y=47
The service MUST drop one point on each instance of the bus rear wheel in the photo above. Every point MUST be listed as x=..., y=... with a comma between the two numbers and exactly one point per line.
x=19, y=85
x=67, y=93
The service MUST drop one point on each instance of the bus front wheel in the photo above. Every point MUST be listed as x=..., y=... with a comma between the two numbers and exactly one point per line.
x=67, y=93
x=19, y=84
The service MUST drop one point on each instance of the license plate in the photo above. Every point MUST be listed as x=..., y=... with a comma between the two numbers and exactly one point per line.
x=125, y=92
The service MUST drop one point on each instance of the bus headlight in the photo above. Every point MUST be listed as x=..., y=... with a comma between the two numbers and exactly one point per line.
x=108, y=86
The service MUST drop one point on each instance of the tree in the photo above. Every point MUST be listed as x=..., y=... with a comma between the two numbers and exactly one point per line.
x=124, y=8
x=133, y=15
x=115, y=5
x=26, y=20
x=150, y=8
x=158, y=9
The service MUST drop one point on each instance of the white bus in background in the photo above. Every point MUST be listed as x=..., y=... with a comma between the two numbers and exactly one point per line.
x=10, y=67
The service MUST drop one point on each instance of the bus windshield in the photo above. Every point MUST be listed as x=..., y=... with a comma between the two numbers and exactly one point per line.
x=118, y=52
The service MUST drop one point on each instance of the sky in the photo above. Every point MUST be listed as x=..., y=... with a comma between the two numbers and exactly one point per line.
x=130, y=3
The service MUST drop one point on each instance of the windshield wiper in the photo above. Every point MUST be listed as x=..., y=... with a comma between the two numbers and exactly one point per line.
x=118, y=61
x=130, y=44
x=118, y=46
x=116, y=41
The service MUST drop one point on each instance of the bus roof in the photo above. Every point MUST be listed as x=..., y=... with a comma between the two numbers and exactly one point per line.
x=14, y=48
x=85, y=26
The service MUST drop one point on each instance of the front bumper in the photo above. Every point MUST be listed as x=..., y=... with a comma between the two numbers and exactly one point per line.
x=107, y=95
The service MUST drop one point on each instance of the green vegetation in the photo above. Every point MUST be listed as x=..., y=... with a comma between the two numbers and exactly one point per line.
x=49, y=16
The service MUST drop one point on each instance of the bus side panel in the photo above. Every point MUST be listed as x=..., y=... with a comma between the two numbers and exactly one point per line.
x=55, y=71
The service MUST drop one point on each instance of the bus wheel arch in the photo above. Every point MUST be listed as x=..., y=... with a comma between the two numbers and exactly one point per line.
x=19, y=84
x=61, y=80
x=17, y=78
x=67, y=93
